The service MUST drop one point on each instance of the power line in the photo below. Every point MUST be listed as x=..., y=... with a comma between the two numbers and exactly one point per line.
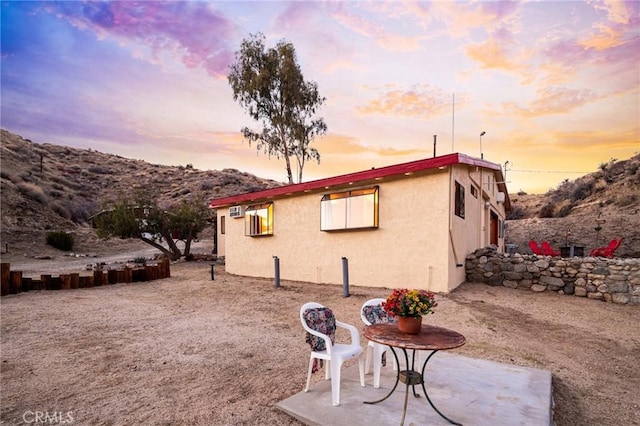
x=547, y=171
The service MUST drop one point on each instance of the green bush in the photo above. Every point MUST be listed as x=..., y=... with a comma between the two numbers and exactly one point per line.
x=60, y=240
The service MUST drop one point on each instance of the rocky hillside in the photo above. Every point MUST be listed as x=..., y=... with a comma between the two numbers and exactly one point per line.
x=45, y=186
x=590, y=210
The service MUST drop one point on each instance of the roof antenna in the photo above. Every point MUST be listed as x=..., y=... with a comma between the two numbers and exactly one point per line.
x=453, y=121
x=434, y=144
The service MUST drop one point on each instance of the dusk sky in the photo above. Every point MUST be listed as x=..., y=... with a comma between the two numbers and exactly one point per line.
x=554, y=84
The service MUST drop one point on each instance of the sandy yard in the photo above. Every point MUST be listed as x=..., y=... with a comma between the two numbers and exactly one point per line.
x=191, y=351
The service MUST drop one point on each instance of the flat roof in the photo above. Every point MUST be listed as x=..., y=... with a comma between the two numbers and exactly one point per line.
x=353, y=178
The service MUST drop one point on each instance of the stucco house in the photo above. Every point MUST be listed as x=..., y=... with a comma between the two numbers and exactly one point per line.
x=406, y=225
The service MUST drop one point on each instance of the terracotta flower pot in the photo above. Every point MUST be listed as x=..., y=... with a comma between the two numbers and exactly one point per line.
x=410, y=325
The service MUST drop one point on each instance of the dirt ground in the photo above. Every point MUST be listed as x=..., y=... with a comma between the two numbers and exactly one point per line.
x=188, y=350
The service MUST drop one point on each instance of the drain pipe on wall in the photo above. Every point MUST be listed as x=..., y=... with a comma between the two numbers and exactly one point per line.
x=276, y=265
x=345, y=277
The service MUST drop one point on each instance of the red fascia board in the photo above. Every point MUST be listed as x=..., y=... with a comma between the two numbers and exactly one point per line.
x=397, y=169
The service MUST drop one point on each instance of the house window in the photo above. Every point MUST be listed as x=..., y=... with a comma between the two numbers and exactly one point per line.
x=459, y=201
x=222, y=225
x=474, y=191
x=258, y=220
x=349, y=210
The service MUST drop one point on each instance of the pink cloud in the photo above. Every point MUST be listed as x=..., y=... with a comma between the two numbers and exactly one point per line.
x=553, y=100
x=192, y=30
x=366, y=28
x=420, y=100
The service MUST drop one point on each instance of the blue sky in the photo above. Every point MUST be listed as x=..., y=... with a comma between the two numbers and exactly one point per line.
x=554, y=84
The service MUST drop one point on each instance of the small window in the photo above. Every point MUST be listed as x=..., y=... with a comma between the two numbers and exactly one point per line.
x=222, y=225
x=258, y=220
x=459, y=201
x=474, y=191
x=355, y=209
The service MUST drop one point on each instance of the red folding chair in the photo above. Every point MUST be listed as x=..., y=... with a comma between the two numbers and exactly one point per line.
x=548, y=250
x=612, y=247
x=533, y=245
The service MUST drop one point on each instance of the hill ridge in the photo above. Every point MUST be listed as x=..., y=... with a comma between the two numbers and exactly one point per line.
x=47, y=186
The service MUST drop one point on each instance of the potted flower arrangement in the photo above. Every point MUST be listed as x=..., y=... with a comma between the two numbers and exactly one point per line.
x=410, y=306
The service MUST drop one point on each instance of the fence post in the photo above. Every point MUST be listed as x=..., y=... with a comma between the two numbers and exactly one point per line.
x=276, y=265
x=212, y=273
x=345, y=277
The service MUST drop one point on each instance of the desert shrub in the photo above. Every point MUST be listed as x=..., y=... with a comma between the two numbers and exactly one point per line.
x=58, y=207
x=5, y=175
x=140, y=260
x=55, y=193
x=521, y=193
x=625, y=200
x=99, y=170
x=581, y=191
x=207, y=186
x=546, y=211
x=32, y=191
x=60, y=240
x=80, y=211
x=516, y=212
x=26, y=176
x=564, y=210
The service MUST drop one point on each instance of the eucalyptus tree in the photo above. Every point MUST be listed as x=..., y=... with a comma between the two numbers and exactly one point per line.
x=269, y=85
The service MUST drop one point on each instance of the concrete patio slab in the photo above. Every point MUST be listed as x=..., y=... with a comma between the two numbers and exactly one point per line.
x=467, y=390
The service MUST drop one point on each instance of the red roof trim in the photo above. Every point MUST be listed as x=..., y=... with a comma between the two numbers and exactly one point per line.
x=397, y=169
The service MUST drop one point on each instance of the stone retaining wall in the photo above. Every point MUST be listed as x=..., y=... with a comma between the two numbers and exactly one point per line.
x=611, y=280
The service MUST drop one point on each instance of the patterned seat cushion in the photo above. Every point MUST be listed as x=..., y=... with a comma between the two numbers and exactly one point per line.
x=323, y=321
x=376, y=314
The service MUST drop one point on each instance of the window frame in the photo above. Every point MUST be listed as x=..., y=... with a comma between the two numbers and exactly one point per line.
x=253, y=226
x=355, y=209
x=459, y=200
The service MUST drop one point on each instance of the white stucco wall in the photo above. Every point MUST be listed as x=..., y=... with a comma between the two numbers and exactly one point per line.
x=408, y=249
x=413, y=246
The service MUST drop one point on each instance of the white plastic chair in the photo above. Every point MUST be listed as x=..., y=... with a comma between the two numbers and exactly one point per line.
x=375, y=350
x=334, y=354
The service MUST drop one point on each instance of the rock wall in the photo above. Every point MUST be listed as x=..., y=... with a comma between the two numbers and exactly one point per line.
x=612, y=280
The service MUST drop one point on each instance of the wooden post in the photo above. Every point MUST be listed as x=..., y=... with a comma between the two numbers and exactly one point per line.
x=165, y=271
x=127, y=275
x=97, y=278
x=15, y=284
x=148, y=270
x=37, y=285
x=75, y=280
x=46, y=282
x=4, y=280
x=27, y=284
x=65, y=281
x=85, y=282
x=56, y=283
x=112, y=276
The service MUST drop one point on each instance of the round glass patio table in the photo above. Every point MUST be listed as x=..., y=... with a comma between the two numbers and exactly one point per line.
x=430, y=338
